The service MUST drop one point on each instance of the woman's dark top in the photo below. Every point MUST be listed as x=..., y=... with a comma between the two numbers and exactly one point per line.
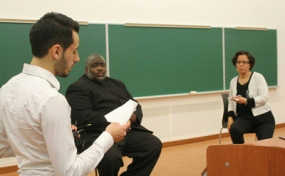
x=243, y=110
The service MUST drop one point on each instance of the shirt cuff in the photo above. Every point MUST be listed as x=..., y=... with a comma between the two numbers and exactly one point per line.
x=231, y=114
x=105, y=140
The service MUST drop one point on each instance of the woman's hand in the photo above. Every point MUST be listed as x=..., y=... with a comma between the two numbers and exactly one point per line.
x=239, y=99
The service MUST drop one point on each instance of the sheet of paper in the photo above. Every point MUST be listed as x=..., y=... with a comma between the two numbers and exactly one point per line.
x=123, y=113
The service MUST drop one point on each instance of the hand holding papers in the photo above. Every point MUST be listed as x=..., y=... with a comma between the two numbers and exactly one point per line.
x=123, y=113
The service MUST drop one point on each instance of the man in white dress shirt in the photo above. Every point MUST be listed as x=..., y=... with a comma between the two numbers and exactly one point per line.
x=35, y=123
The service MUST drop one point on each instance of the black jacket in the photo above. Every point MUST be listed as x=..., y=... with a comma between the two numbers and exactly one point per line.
x=90, y=100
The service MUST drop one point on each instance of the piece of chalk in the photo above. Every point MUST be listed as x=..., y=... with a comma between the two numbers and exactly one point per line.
x=193, y=92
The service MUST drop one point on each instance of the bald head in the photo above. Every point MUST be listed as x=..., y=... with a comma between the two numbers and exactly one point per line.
x=95, y=67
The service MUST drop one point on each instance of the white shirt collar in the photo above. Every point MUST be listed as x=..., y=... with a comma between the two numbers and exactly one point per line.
x=42, y=73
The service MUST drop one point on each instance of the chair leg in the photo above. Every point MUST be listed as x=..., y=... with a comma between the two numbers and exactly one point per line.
x=96, y=172
x=220, y=135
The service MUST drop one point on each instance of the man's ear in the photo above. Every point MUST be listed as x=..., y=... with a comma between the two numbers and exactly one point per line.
x=86, y=69
x=56, y=52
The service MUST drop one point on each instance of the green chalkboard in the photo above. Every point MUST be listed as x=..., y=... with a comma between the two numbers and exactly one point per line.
x=15, y=49
x=262, y=44
x=161, y=61
x=92, y=40
x=154, y=61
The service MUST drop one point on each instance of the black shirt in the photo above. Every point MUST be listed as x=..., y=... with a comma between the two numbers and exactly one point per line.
x=244, y=110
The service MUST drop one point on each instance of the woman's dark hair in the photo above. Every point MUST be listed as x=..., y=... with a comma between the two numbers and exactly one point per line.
x=52, y=28
x=251, y=59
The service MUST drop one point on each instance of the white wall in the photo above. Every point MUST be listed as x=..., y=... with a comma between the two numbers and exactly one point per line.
x=174, y=118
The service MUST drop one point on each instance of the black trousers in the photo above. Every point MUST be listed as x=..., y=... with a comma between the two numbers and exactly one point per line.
x=263, y=125
x=143, y=147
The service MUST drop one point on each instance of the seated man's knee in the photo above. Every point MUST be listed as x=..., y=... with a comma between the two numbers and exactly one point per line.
x=112, y=158
x=158, y=144
x=155, y=145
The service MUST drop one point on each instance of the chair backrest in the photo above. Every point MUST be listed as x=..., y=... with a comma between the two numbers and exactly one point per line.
x=225, y=97
x=246, y=160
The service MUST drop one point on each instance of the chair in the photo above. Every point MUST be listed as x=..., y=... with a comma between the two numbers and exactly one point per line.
x=266, y=159
x=94, y=173
x=225, y=98
x=80, y=146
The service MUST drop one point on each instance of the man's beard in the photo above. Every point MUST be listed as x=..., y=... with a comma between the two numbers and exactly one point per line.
x=61, y=67
x=91, y=76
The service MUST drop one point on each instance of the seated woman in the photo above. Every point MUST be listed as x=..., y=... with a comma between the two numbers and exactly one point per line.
x=248, y=108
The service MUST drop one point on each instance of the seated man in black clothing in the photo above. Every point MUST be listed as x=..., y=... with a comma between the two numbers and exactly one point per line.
x=93, y=96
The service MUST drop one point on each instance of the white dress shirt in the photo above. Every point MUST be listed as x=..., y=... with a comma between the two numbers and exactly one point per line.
x=35, y=123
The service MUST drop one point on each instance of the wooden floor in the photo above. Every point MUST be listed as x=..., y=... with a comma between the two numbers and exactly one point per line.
x=183, y=160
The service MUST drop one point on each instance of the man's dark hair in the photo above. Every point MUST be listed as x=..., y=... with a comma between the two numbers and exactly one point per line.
x=52, y=28
x=251, y=59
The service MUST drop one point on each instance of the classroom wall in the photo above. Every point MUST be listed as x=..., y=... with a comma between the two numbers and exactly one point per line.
x=174, y=118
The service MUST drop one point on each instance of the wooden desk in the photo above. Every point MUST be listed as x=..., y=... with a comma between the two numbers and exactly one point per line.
x=262, y=158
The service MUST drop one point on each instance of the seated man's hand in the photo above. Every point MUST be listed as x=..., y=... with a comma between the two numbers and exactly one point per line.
x=133, y=118
x=117, y=131
x=74, y=131
x=74, y=128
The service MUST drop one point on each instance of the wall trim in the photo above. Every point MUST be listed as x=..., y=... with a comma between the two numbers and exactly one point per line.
x=8, y=169
x=205, y=138
x=193, y=140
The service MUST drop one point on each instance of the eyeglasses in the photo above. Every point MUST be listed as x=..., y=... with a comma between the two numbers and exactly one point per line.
x=242, y=62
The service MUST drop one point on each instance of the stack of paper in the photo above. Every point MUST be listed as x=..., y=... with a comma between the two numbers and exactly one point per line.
x=123, y=113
